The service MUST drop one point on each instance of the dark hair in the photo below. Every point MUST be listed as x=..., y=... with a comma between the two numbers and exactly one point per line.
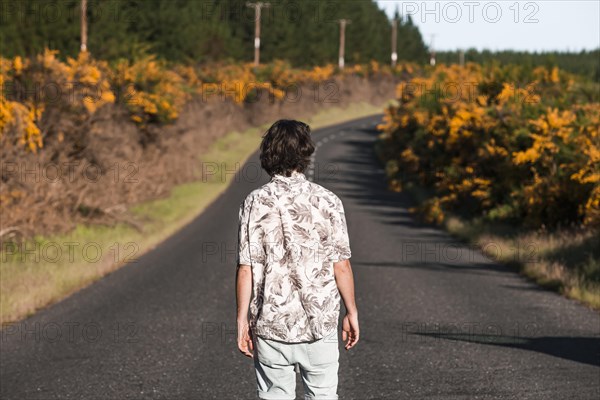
x=285, y=147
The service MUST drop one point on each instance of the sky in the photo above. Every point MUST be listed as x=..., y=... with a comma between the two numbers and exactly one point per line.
x=545, y=25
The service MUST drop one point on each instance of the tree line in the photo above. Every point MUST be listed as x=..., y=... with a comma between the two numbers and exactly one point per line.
x=306, y=33
x=585, y=62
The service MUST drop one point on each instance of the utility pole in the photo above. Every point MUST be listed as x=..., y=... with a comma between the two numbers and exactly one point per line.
x=83, y=25
x=432, y=59
x=343, y=23
x=461, y=57
x=394, y=41
x=257, y=13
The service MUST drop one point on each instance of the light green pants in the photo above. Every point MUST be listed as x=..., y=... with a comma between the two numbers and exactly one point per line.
x=275, y=363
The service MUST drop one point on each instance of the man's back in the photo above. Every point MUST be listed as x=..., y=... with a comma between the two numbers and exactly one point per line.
x=291, y=232
x=293, y=267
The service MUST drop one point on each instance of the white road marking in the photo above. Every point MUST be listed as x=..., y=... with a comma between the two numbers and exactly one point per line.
x=331, y=136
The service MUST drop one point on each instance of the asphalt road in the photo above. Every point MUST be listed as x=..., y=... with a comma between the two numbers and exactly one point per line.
x=438, y=320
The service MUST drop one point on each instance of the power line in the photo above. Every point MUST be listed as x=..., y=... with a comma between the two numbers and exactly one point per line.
x=432, y=59
x=343, y=23
x=257, y=14
x=83, y=25
x=394, y=41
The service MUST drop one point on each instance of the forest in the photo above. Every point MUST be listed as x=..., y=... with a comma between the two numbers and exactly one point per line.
x=306, y=33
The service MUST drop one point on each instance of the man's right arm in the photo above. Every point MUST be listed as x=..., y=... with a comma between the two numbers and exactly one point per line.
x=345, y=283
x=343, y=273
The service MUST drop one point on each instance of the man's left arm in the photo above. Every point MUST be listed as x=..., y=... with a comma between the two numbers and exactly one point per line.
x=243, y=293
x=244, y=282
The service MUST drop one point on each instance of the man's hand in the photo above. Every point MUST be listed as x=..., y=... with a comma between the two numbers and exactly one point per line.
x=350, y=330
x=345, y=283
x=244, y=339
x=243, y=293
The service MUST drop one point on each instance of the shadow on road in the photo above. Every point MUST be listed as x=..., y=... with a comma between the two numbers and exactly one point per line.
x=462, y=266
x=584, y=350
x=364, y=181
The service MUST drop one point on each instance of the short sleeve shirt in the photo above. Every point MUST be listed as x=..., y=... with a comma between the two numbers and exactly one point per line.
x=291, y=231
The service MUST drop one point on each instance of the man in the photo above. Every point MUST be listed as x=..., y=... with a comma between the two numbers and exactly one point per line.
x=294, y=262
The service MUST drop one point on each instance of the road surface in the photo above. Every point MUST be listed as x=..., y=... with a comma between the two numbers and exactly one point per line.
x=438, y=320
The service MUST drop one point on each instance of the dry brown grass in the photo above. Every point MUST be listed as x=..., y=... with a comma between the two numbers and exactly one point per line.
x=566, y=260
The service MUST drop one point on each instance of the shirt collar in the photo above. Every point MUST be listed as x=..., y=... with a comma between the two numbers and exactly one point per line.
x=295, y=177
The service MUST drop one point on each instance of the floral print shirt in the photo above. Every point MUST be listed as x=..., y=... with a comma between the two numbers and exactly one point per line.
x=291, y=231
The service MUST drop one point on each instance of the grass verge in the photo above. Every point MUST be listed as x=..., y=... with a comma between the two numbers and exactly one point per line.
x=565, y=260
x=47, y=269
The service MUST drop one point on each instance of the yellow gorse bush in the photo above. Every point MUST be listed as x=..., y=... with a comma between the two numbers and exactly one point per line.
x=92, y=79
x=20, y=120
x=152, y=90
x=501, y=142
x=32, y=86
